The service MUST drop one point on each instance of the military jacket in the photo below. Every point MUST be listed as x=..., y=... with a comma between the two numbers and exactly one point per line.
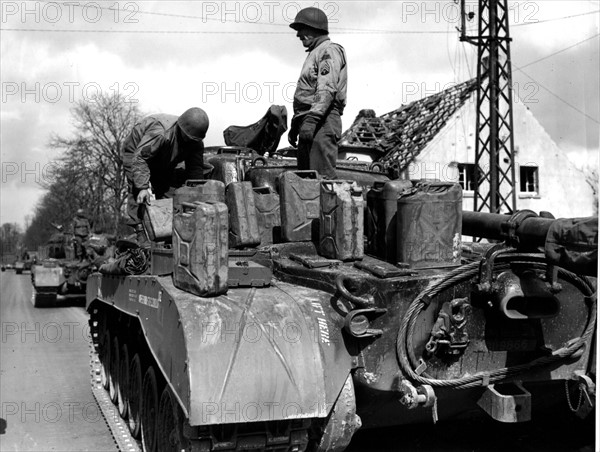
x=323, y=81
x=151, y=152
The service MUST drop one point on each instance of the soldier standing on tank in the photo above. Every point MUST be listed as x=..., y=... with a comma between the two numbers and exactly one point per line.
x=320, y=95
x=155, y=146
x=81, y=231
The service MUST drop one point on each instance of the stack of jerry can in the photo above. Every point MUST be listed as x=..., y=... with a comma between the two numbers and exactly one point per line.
x=341, y=220
x=200, y=248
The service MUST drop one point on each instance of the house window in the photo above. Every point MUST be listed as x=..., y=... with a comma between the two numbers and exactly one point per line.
x=466, y=176
x=529, y=179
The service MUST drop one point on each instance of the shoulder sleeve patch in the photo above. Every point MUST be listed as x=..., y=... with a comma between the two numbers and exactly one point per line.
x=325, y=56
x=146, y=152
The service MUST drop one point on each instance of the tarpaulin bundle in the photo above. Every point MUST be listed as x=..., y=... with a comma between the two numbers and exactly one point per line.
x=572, y=243
x=262, y=136
x=133, y=261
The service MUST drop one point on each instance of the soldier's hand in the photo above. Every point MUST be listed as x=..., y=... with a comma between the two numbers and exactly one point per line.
x=143, y=197
x=307, y=129
x=293, y=137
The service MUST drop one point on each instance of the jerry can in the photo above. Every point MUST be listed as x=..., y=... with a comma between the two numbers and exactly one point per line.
x=380, y=218
x=199, y=190
x=200, y=248
x=429, y=225
x=230, y=163
x=158, y=219
x=243, y=223
x=341, y=221
x=268, y=215
x=300, y=198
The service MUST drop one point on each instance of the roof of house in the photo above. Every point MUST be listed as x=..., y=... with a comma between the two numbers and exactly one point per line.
x=400, y=135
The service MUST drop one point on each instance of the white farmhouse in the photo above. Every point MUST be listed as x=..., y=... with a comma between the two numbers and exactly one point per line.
x=434, y=138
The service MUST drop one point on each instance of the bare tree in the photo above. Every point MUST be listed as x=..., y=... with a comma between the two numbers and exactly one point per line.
x=94, y=155
x=89, y=173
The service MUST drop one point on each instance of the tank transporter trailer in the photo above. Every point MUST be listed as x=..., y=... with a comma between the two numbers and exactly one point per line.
x=292, y=344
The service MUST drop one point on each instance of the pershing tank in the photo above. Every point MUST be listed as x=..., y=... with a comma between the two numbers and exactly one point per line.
x=303, y=350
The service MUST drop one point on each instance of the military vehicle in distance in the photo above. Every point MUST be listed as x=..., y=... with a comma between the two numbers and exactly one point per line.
x=314, y=343
x=58, y=277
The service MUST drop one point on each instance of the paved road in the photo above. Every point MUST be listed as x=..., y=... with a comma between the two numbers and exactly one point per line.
x=45, y=396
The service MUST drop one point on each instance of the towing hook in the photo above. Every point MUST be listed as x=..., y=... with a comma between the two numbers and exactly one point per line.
x=340, y=283
x=414, y=397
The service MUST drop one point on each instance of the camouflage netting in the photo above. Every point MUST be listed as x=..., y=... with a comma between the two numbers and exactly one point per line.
x=400, y=135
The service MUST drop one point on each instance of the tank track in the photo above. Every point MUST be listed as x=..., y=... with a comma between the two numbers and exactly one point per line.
x=118, y=428
x=284, y=436
x=42, y=299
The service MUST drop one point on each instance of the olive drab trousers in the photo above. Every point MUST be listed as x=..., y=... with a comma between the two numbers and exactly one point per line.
x=321, y=154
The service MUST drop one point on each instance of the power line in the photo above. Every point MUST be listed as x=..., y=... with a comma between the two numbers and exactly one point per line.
x=57, y=30
x=561, y=99
x=556, y=18
x=246, y=22
x=74, y=30
x=557, y=52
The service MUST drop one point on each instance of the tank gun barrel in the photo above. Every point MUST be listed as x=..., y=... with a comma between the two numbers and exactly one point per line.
x=527, y=226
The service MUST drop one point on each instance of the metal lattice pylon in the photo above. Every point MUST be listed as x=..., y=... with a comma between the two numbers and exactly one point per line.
x=494, y=147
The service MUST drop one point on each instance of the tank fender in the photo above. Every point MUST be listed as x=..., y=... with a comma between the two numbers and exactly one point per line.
x=248, y=356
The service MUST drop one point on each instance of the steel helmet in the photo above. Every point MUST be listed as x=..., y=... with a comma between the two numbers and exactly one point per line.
x=311, y=17
x=194, y=123
x=80, y=213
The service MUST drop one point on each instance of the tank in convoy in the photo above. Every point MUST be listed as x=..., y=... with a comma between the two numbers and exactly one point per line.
x=279, y=311
x=58, y=276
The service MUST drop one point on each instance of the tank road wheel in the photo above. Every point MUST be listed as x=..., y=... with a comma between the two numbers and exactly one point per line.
x=122, y=388
x=335, y=433
x=105, y=360
x=113, y=376
x=134, y=389
x=149, y=411
x=170, y=424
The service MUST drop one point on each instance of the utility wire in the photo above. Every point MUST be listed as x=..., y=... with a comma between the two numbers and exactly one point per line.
x=560, y=98
x=224, y=19
x=556, y=18
x=557, y=52
x=218, y=32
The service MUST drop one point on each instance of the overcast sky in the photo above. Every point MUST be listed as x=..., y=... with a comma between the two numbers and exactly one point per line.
x=235, y=59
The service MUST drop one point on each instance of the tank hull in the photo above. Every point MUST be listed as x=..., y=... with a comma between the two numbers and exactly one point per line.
x=251, y=355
